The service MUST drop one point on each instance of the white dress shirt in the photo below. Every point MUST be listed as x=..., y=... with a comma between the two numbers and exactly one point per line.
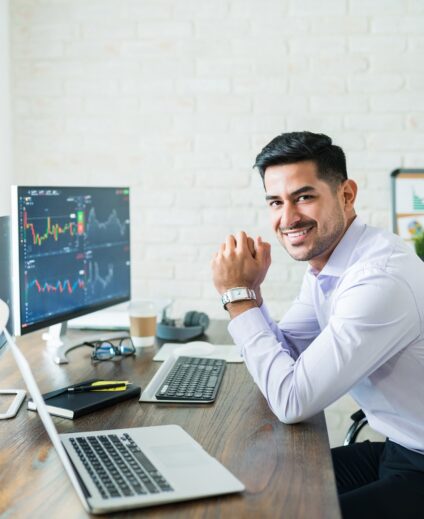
x=357, y=326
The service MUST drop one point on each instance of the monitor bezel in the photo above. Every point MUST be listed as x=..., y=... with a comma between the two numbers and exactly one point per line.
x=14, y=231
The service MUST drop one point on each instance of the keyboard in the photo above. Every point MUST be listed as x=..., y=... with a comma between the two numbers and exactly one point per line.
x=193, y=379
x=118, y=467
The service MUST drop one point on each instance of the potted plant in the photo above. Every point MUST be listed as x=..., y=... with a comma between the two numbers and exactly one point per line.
x=419, y=245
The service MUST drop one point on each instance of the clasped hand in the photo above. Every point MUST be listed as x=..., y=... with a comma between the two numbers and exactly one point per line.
x=241, y=262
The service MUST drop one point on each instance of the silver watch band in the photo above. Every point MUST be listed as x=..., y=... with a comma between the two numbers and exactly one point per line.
x=237, y=294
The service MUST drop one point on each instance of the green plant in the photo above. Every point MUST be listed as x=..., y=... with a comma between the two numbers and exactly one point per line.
x=419, y=245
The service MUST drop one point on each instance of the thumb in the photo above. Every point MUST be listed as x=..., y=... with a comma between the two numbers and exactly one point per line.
x=263, y=249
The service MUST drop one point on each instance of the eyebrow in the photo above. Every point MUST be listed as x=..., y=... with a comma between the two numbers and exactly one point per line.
x=300, y=191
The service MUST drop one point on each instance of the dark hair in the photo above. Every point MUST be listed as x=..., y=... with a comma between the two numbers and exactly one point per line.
x=288, y=148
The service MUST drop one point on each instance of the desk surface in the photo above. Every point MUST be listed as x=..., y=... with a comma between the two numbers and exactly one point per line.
x=286, y=469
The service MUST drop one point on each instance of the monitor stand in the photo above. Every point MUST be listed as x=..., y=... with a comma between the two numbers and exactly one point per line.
x=58, y=340
x=16, y=403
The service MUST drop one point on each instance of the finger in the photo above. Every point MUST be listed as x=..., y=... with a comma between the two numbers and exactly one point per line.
x=259, y=243
x=251, y=245
x=263, y=249
x=230, y=243
x=241, y=238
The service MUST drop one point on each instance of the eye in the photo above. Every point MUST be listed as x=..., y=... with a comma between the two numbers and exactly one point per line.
x=274, y=204
x=304, y=198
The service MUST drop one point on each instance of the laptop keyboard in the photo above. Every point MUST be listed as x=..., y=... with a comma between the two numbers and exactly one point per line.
x=118, y=467
x=192, y=378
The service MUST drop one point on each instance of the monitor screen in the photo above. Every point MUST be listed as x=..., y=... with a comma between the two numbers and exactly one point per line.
x=71, y=252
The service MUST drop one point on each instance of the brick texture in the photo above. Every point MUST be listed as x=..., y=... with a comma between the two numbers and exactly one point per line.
x=176, y=98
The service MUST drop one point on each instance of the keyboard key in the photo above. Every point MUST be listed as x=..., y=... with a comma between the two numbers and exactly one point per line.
x=118, y=467
x=193, y=378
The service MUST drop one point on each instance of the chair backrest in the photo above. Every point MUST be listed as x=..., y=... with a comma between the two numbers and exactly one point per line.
x=359, y=421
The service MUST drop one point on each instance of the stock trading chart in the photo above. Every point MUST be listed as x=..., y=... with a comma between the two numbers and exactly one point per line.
x=74, y=250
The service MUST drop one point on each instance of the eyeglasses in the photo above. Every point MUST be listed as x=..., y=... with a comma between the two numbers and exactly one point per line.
x=108, y=350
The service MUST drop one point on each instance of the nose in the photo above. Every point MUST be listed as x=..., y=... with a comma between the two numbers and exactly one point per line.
x=289, y=216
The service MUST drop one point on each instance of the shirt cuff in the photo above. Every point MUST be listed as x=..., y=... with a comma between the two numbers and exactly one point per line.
x=265, y=312
x=246, y=325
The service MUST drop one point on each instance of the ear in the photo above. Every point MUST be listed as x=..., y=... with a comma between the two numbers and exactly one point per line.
x=349, y=190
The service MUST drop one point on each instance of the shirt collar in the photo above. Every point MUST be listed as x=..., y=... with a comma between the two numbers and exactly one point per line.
x=339, y=259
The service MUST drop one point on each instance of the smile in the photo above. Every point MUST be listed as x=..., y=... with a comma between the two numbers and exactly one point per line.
x=296, y=236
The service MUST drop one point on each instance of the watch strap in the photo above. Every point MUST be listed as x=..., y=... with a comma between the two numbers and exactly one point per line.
x=237, y=294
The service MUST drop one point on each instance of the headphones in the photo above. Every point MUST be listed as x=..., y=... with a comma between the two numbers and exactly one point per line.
x=193, y=325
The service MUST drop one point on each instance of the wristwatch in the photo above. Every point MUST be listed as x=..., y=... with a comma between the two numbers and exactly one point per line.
x=237, y=294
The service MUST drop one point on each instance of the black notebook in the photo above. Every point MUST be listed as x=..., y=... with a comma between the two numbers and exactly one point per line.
x=72, y=405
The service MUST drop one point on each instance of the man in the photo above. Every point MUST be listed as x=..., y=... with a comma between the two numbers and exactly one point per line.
x=357, y=325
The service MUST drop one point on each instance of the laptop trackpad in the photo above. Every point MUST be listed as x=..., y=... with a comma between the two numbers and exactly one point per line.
x=180, y=455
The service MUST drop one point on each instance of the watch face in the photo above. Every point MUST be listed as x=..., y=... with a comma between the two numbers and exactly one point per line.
x=237, y=294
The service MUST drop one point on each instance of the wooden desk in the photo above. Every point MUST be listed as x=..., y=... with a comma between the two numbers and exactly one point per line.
x=286, y=469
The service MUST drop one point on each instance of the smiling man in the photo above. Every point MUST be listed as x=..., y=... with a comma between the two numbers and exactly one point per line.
x=356, y=326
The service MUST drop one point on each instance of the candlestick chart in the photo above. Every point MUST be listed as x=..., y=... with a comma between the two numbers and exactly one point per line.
x=74, y=250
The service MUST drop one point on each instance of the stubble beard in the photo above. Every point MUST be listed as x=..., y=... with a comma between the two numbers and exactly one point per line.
x=322, y=243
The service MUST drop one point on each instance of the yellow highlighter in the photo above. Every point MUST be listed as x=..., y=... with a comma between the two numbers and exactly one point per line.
x=101, y=385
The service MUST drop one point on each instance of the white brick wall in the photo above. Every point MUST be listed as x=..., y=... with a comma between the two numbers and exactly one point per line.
x=5, y=111
x=176, y=98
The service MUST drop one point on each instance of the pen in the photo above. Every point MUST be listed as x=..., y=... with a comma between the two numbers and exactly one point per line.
x=81, y=389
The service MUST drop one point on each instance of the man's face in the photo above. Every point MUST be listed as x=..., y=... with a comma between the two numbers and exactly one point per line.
x=308, y=216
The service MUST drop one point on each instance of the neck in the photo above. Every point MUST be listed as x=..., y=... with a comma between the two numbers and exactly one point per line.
x=317, y=264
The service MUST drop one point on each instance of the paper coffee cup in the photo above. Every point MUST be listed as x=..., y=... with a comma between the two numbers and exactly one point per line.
x=143, y=323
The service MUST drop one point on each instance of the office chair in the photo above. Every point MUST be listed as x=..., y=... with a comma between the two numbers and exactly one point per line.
x=359, y=421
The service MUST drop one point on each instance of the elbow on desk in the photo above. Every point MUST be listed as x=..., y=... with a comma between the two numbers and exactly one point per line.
x=290, y=413
x=290, y=419
x=289, y=405
x=294, y=418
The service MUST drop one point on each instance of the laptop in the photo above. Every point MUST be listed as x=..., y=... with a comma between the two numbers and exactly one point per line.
x=128, y=468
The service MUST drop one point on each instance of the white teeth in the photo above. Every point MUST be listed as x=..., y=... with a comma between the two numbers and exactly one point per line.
x=296, y=234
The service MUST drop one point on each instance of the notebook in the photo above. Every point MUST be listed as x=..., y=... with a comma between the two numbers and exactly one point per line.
x=164, y=463
x=72, y=405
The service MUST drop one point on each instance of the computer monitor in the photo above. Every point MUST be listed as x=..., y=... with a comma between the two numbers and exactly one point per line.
x=5, y=276
x=70, y=254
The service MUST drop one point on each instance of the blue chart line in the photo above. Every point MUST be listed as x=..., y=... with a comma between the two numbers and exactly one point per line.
x=110, y=230
x=58, y=286
x=48, y=297
x=95, y=281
